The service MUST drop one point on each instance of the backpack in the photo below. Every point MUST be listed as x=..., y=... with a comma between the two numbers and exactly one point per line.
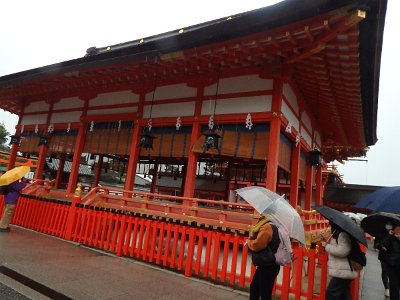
x=279, y=250
x=357, y=259
x=283, y=254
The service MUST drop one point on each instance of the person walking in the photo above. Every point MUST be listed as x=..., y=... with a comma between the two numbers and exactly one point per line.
x=391, y=244
x=339, y=268
x=10, y=201
x=263, y=241
x=382, y=258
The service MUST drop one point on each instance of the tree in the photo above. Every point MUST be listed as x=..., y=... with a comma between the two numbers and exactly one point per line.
x=4, y=138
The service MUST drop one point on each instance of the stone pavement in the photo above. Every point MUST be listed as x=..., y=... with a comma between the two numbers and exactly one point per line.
x=41, y=267
x=372, y=286
x=37, y=266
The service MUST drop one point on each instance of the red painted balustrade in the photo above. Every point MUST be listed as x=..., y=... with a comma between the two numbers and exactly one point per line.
x=190, y=248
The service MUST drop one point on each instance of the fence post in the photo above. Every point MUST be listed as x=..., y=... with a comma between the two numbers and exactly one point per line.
x=76, y=199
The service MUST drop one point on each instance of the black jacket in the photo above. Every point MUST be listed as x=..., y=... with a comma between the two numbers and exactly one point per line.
x=392, y=255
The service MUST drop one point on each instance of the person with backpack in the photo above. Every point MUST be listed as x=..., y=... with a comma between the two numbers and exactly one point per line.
x=391, y=244
x=10, y=201
x=339, y=268
x=263, y=242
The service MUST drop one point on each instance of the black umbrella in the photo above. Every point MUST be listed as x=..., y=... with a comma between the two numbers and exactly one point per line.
x=375, y=224
x=342, y=221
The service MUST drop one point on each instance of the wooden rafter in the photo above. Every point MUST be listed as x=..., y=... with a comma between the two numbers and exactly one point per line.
x=328, y=36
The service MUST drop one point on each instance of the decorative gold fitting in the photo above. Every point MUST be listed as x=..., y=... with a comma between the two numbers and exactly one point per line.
x=78, y=190
x=221, y=222
x=311, y=221
x=361, y=13
x=191, y=218
x=193, y=208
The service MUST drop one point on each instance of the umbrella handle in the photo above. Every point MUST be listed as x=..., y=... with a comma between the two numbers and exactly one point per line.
x=329, y=238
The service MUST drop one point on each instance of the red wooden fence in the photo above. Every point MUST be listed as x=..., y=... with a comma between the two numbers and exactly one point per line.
x=194, y=250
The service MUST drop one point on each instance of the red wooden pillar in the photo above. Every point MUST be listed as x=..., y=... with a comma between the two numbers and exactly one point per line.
x=190, y=178
x=134, y=150
x=60, y=171
x=41, y=161
x=43, y=147
x=80, y=142
x=294, y=175
x=133, y=158
x=13, y=156
x=319, y=189
x=274, y=136
x=14, y=148
x=98, y=167
x=309, y=186
x=70, y=222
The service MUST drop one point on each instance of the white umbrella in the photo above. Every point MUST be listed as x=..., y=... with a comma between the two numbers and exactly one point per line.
x=276, y=208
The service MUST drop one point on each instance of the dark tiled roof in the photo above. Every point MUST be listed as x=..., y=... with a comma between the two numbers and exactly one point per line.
x=55, y=164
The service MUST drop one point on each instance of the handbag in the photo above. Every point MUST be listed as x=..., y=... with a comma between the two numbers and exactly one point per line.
x=263, y=258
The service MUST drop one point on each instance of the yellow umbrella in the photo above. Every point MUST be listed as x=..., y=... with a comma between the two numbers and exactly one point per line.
x=13, y=175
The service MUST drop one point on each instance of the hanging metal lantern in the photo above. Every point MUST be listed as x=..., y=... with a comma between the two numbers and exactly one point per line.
x=14, y=140
x=146, y=141
x=43, y=140
x=315, y=157
x=211, y=140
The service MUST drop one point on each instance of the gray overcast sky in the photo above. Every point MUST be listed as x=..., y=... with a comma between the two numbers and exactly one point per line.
x=39, y=33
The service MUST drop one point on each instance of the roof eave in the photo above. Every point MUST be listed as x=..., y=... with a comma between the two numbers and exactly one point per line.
x=371, y=33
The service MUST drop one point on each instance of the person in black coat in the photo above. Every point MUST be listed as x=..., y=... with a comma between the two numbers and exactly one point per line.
x=381, y=257
x=391, y=246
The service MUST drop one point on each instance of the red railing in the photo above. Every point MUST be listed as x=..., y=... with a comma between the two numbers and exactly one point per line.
x=20, y=161
x=216, y=255
x=195, y=251
x=236, y=216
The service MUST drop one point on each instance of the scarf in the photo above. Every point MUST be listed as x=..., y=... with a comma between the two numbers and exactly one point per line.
x=261, y=221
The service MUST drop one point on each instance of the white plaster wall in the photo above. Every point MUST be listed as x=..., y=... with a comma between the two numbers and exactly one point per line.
x=66, y=117
x=291, y=97
x=34, y=119
x=239, y=84
x=176, y=91
x=290, y=116
x=238, y=105
x=37, y=106
x=307, y=138
x=305, y=119
x=114, y=98
x=170, y=110
x=67, y=103
x=110, y=111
